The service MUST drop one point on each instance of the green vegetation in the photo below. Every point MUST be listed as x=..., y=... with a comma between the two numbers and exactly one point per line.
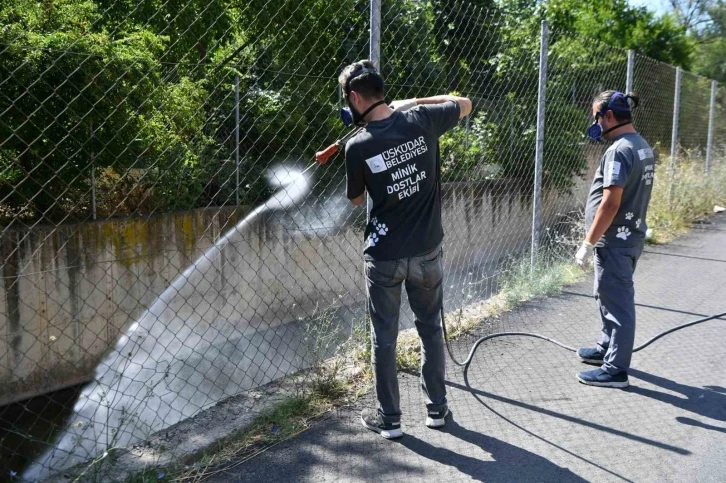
x=286, y=420
x=694, y=196
x=705, y=23
x=141, y=94
x=522, y=281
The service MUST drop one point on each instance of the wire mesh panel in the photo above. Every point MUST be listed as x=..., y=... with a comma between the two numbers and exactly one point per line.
x=579, y=69
x=166, y=241
x=693, y=119
x=655, y=83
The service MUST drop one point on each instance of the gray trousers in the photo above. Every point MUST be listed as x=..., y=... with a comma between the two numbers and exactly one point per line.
x=423, y=276
x=615, y=293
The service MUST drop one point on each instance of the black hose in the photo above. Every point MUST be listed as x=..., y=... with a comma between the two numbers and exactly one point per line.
x=666, y=332
x=467, y=361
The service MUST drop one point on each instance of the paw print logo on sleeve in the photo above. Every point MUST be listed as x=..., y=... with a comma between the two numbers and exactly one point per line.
x=382, y=229
x=629, y=216
x=623, y=233
x=638, y=222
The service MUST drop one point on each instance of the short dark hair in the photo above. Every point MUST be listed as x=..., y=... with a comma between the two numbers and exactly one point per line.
x=363, y=78
x=622, y=106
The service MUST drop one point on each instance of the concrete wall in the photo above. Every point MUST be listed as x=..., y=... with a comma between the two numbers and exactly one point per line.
x=67, y=292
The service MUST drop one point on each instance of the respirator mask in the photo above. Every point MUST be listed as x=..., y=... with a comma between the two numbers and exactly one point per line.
x=620, y=104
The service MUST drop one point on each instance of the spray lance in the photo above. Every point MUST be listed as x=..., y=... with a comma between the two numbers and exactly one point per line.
x=323, y=156
x=346, y=116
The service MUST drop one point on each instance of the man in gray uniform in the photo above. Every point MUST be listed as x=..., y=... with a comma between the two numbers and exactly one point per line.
x=615, y=225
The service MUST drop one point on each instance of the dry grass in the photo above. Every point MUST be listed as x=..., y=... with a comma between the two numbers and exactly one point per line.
x=285, y=421
x=694, y=195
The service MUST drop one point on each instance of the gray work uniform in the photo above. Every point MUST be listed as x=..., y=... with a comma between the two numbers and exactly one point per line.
x=630, y=164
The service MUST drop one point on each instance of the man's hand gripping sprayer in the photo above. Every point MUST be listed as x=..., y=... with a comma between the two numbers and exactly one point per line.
x=323, y=156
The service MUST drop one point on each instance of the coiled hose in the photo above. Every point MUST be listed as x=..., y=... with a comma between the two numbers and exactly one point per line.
x=465, y=363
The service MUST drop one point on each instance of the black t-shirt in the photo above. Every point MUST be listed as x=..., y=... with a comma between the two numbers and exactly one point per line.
x=397, y=161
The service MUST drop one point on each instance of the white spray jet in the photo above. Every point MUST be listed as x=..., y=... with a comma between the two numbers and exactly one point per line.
x=175, y=360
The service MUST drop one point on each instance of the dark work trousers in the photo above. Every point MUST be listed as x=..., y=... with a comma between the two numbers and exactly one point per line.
x=615, y=293
x=423, y=276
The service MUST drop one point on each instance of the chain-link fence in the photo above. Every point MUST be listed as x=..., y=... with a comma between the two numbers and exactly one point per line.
x=161, y=246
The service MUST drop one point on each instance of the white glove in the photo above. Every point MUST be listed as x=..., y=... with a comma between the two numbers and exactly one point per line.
x=404, y=105
x=584, y=255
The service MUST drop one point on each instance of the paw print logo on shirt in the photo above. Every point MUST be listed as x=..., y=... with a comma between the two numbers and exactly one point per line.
x=373, y=239
x=629, y=216
x=379, y=229
x=638, y=222
x=623, y=233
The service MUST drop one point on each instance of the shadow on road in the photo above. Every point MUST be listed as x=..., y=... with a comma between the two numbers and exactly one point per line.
x=708, y=401
x=477, y=393
x=511, y=463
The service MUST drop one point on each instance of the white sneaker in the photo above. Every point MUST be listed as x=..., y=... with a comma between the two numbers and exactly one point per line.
x=373, y=421
x=437, y=419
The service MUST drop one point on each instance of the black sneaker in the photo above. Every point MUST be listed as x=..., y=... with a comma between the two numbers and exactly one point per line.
x=372, y=420
x=437, y=419
x=602, y=378
x=591, y=355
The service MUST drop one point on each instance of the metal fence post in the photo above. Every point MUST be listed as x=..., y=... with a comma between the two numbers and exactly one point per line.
x=375, y=57
x=236, y=138
x=375, y=39
x=539, y=149
x=511, y=125
x=711, y=119
x=93, y=179
x=674, y=134
x=629, y=75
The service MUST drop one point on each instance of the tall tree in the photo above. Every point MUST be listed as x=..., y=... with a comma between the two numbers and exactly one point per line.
x=706, y=22
x=617, y=23
x=692, y=14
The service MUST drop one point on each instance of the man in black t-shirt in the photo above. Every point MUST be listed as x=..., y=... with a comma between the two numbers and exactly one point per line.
x=396, y=159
